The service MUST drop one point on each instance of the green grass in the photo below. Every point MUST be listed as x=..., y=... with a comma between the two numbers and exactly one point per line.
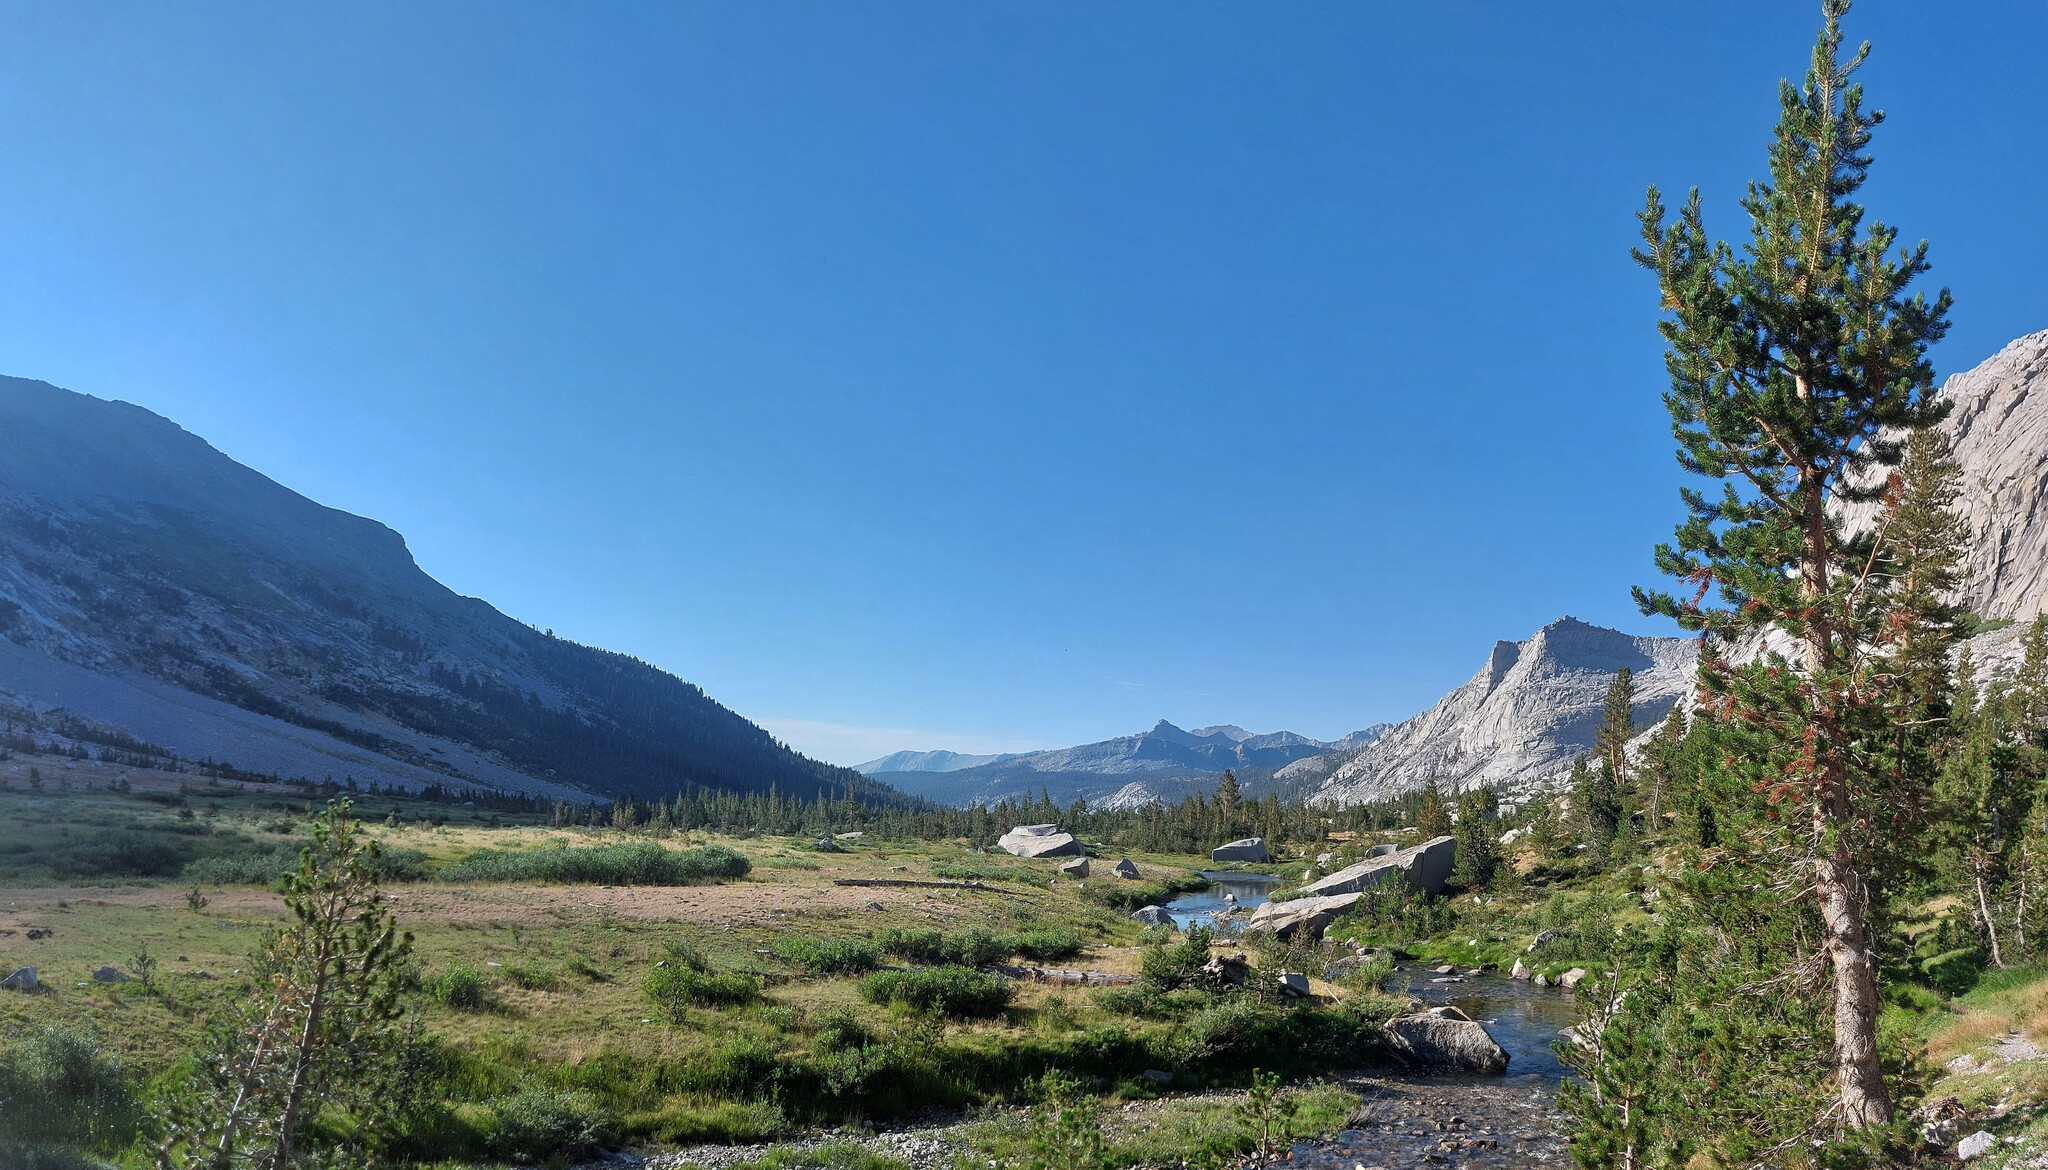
x=642, y=864
x=829, y=956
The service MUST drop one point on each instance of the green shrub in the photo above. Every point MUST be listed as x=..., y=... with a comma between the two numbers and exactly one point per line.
x=840, y=1029
x=531, y=976
x=975, y=869
x=975, y=947
x=914, y=945
x=59, y=1087
x=262, y=867
x=1045, y=944
x=829, y=956
x=672, y=987
x=461, y=987
x=1179, y=964
x=539, y=1125
x=642, y=864
x=959, y=992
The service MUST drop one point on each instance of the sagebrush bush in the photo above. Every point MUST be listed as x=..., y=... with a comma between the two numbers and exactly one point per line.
x=916, y=945
x=540, y=1125
x=674, y=986
x=59, y=1087
x=641, y=864
x=262, y=867
x=829, y=956
x=461, y=987
x=1045, y=943
x=959, y=992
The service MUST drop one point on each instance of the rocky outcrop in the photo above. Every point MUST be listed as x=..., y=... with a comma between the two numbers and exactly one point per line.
x=1444, y=1039
x=1520, y=721
x=1425, y=867
x=1252, y=849
x=1284, y=919
x=1040, y=841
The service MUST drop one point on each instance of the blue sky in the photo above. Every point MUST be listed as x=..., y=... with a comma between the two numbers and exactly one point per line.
x=963, y=375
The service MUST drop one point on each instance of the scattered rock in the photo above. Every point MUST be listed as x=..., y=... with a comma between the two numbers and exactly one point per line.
x=1571, y=978
x=23, y=979
x=1518, y=971
x=1962, y=1064
x=1158, y=1074
x=1445, y=1039
x=1124, y=869
x=1077, y=868
x=1040, y=841
x=1975, y=1146
x=1344, y=968
x=1446, y=969
x=1540, y=981
x=1293, y=983
x=856, y=835
x=827, y=845
x=1152, y=916
x=1546, y=936
x=1252, y=849
x=36, y=932
x=876, y=906
x=108, y=975
x=1231, y=969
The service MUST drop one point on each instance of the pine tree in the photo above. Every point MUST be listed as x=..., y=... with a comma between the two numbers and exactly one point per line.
x=1794, y=364
x=1478, y=855
x=1227, y=797
x=1432, y=815
x=1617, y=727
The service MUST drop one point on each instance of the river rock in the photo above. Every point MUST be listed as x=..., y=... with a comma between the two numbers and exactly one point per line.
x=1540, y=981
x=108, y=975
x=1124, y=869
x=1571, y=978
x=1518, y=971
x=1975, y=1146
x=1426, y=867
x=1152, y=916
x=1251, y=849
x=1311, y=914
x=23, y=979
x=1444, y=1039
x=1077, y=868
x=1040, y=841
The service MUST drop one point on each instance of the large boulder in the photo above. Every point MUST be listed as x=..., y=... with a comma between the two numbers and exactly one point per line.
x=1283, y=919
x=1040, y=841
x=1426, y=868
x=23, y=979
x=1444, y=1039
x=1152, y=916
x=1251, y=849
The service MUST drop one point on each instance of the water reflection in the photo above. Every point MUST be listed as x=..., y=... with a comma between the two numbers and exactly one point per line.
x=1245, y=891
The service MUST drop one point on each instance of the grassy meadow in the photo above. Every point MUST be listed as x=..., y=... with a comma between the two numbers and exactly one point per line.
x=557, y=1015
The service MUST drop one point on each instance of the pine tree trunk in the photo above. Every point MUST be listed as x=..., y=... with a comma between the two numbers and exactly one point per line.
x=1984, y=910
x=1838, y=886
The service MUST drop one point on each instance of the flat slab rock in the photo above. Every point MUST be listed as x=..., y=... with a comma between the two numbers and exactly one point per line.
x=1251, y=849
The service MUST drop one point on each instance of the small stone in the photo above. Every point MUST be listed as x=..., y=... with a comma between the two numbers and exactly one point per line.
x=108, y=975
x=23, y=979
x=1540, y=981
x=1975, y=1146
x=1446, y=969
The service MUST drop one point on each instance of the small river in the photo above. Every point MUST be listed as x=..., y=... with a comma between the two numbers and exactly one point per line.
x=1430, y=1121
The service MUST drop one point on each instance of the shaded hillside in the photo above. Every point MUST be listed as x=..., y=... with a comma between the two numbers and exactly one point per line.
x=144, y=576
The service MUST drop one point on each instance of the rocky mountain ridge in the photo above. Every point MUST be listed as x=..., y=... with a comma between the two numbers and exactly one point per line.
x=150, y=583
x=1128, y=770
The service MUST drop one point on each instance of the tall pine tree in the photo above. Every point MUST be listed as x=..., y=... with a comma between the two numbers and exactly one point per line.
x=1795, y=363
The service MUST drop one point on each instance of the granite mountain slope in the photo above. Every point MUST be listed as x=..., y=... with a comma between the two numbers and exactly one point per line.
x=149, y=582
x=1532, y=708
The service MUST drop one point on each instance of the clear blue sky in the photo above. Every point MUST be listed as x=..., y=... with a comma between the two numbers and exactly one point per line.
x=963, y=375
